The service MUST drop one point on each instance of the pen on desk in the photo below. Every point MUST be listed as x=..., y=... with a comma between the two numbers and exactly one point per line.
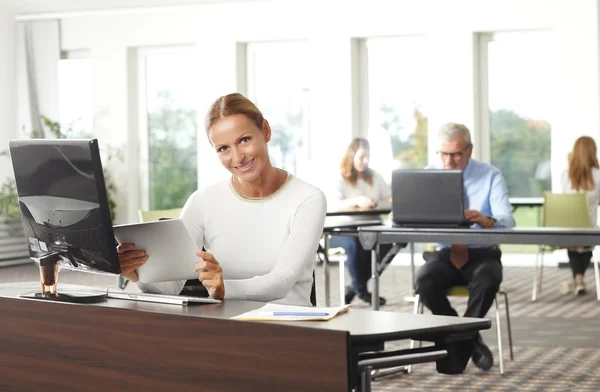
x=300, y=314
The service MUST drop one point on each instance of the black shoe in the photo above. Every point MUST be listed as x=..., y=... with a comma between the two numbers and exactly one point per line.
x=482, y=356
x=349, y=296
x=368, y=297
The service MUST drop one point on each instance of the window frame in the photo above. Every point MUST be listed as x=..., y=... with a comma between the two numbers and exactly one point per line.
x=360, y=79
x=482, y=135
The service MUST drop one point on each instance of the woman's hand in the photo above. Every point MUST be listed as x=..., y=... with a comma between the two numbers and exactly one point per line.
x=210, y=274
x=364, y=202
x=130, y=260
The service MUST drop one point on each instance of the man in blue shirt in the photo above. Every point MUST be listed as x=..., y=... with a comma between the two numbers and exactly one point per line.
x=478, y=267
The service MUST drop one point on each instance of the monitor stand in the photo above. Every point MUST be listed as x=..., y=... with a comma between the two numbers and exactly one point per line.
x=49, y=267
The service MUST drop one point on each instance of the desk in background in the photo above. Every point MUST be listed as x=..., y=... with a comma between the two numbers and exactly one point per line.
x=385, y=207
x=372, y=236
x=529, y=202
x=346, y=222
x=127, y=345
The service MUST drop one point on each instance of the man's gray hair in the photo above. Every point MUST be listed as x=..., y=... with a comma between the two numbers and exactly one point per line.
x=452, y=130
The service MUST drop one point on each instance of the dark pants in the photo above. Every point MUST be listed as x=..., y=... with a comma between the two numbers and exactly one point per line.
x=579, y=262
x=358, y=260
x=482, y=274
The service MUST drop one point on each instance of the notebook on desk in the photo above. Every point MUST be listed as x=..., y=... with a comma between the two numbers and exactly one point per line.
x=428, y=198
x=278, y=312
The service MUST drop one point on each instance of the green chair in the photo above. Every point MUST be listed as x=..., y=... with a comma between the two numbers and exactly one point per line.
x=154, y=215
x=463, y=291
x=563, y=210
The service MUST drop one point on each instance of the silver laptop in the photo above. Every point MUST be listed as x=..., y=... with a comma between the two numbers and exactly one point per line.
x=428, y=198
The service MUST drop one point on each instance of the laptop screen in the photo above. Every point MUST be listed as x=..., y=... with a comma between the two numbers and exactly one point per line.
x=427, y=196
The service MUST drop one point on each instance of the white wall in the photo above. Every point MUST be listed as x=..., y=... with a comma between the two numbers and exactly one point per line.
x=45, y=53
x=8, y=118
x=330, y=27
x=577, y=52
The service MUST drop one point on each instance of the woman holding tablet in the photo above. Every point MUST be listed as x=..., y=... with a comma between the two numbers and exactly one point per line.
x=260, y=228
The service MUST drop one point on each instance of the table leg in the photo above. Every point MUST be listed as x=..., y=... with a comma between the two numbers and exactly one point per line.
x=375, y=276
x=412, y=268
x=342, y=273
x=365, y=380
x=326, y=266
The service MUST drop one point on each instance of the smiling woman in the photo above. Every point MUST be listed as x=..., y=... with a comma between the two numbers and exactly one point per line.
x=260, y=228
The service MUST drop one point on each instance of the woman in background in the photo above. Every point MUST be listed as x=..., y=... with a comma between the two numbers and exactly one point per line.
x=359, y=187
x=583, y=175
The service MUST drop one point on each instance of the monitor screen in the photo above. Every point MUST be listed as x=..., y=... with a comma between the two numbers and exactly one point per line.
x=64, y=204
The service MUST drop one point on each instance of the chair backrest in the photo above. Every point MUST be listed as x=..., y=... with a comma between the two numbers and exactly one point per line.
x=569, y=210
x=154, y=215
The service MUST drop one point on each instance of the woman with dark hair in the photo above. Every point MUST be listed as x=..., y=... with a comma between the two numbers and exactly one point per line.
x=583, y=175
x=359, y=186
x=260, y=228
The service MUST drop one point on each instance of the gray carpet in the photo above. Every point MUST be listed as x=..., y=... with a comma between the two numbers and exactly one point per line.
x=556, y=339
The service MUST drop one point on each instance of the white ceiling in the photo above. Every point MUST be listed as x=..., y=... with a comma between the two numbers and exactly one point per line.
x=47, y=6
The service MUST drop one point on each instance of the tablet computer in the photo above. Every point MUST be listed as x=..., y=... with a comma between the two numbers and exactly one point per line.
x=170, y=249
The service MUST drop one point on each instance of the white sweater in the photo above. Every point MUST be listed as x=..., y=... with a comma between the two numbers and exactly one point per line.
x=379, y=191
x=266, y=249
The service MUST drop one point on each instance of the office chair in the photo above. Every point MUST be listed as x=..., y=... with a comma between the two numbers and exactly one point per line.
x=563, y=210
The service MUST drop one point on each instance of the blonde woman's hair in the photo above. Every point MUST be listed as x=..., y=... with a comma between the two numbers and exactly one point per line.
x=349, y=173
x=231, y=104
x=581, y=161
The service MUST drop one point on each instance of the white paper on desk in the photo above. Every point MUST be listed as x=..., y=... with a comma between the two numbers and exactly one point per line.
x=301, y=313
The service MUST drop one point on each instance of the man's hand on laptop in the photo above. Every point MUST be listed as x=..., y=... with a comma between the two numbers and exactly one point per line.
x=477, y=217
x=130, y=260
x=210, y=275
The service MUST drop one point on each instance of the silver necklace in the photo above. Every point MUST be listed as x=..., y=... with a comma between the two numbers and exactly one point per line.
x=288, y=179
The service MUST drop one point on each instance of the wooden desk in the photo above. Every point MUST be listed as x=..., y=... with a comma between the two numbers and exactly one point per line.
x=372, y=236
x=126, y=346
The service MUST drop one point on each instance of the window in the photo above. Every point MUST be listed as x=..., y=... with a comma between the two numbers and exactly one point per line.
x=168, y=126
x=75, y=94
x=516, y=82
x=278, y=84
x=397, y=101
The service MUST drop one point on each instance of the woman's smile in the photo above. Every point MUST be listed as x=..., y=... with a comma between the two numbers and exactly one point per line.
x=246, y=167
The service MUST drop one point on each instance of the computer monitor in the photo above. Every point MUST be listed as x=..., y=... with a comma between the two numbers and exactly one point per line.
x=65, y=211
